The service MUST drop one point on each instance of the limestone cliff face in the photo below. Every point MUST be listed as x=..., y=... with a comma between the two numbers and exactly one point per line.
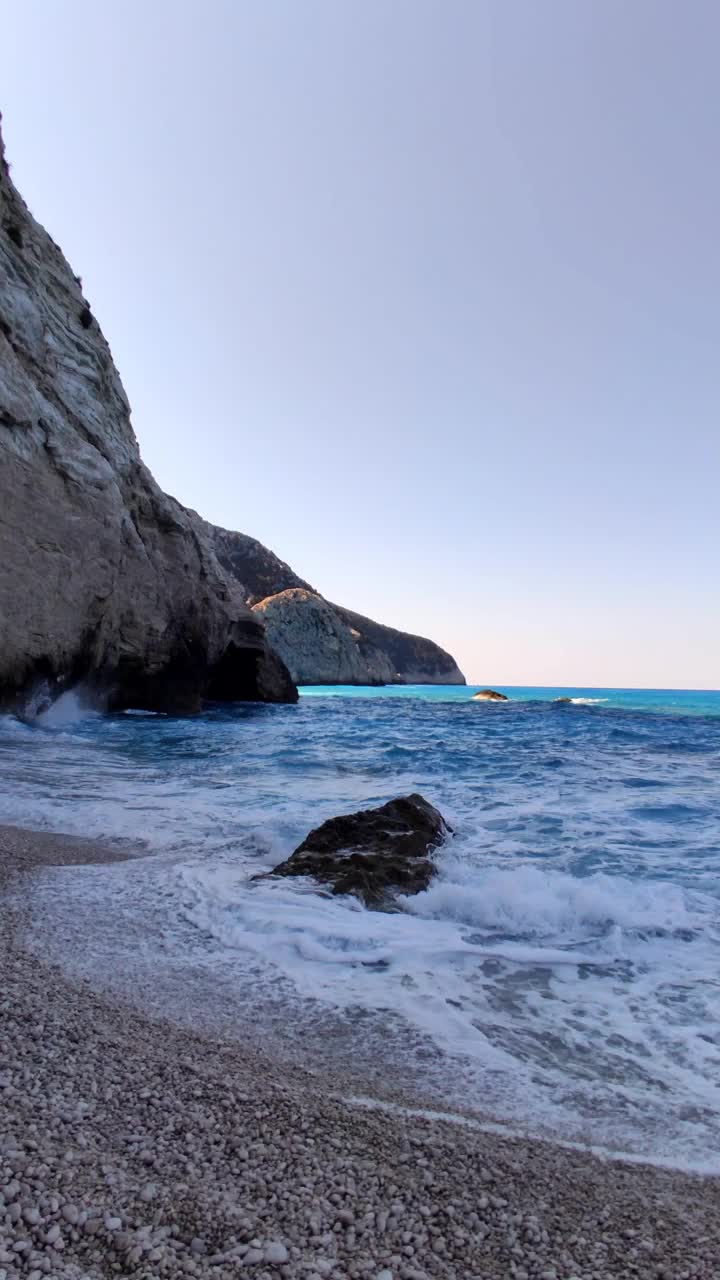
x=357, y=649
x=103, y=577
x=316, y=645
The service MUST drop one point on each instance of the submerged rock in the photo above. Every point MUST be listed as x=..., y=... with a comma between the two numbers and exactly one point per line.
x=105, y=580
x=489, y=695
x=374, y=852
x=562, y=699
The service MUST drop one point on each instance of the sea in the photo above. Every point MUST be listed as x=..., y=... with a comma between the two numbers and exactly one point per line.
x=561, y=975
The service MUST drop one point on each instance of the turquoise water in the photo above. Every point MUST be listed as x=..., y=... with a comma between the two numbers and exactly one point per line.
x=562, y=972
x=692, y=702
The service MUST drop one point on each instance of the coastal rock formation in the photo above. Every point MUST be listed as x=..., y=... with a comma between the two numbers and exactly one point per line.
x=375, y=654
x=258, y=572
x=105, y=579
x=415, y=659
x=373, y=853
x=316, y=645
x=490, y=695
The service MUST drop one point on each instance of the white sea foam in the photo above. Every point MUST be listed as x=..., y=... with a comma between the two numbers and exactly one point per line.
x=70, y=708
x=527, y=975
x=540, y=903
x=566, y=1009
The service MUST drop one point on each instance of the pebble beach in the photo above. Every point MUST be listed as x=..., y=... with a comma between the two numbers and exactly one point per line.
x=132, y=1147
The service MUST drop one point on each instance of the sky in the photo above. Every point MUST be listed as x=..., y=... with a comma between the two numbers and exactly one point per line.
x=423, y=294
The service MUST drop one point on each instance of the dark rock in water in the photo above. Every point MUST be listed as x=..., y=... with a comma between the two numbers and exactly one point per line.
x=562, y=699
x=373, y=853
x=490, y=695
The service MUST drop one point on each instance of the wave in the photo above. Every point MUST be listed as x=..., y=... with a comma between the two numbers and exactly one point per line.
x=549, y=904
x=70, y=708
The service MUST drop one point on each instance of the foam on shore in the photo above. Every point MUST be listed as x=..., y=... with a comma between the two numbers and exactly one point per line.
x=138, y=1143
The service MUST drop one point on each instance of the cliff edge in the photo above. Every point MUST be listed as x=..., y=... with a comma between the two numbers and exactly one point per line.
x=104, y=579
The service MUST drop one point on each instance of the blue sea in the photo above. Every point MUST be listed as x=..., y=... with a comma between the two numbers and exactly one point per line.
x=561, y=975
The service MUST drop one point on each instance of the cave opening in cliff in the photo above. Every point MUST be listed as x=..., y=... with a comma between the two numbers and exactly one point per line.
x=235, y=678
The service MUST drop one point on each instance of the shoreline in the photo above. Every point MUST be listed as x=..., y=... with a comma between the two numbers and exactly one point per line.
x=178, y=1153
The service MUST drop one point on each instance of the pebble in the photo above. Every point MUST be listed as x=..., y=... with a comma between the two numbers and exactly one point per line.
x=275, y=1253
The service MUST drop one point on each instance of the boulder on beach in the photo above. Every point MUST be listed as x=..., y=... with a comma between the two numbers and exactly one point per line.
x=490, y=695
x=374, y=852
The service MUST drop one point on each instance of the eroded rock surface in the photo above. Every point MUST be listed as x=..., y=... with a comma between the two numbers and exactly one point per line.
x=316, y=645
x=104, y=579
x=490, y=695
x=373, y=853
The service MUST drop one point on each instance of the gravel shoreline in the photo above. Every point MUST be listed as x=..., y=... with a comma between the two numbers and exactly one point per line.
x=132, y=1147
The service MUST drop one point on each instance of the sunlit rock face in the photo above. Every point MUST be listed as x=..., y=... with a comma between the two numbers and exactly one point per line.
x=316, y=645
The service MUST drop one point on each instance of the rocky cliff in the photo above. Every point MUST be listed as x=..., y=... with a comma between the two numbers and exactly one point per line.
x=316, y=644
x=317, y=638
x=258, y=572
x=414, y=659
x=104, y=579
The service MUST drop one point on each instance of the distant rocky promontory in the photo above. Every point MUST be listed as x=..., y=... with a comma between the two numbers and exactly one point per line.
x=322, y=642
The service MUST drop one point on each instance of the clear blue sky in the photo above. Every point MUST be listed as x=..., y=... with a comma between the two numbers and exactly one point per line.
x=425, y=295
